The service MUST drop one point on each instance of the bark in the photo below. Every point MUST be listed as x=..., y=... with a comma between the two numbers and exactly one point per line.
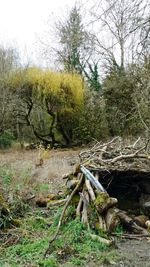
x=112, y=219
x=90, y=189
x=130, y=225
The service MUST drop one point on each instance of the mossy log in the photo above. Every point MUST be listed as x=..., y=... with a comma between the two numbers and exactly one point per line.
x=103, y=202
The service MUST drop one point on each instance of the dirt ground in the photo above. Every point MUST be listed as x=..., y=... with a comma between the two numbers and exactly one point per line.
x=131, y=253
x=134, y=253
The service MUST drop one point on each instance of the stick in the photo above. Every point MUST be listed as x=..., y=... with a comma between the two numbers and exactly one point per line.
x=102, y=223
x=85, y=199
x=63, y=212
x=90, y=189
x=128, y=156
x=78, y=210
x=130, y=236
x=56, y=202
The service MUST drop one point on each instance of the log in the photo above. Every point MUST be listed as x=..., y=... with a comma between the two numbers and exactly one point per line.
x=130, y=225
x=112, y=219
x=141, y=220
x=101, y=239
x=103, y=202
x=92, y=179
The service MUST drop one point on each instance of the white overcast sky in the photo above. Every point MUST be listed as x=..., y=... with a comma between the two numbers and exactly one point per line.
x=21, y=21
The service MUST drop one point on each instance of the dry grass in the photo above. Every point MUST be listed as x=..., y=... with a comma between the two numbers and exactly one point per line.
x=22, y=164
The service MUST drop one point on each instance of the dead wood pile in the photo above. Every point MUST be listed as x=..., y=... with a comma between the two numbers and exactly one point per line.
x=118, y=154
x=93, y=205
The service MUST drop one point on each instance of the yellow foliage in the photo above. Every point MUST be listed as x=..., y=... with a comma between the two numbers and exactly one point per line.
x=65, y=86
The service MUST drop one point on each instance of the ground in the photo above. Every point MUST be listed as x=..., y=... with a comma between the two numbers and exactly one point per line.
x=20, y=168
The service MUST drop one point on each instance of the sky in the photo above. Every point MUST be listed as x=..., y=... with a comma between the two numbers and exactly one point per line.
x=23, y=21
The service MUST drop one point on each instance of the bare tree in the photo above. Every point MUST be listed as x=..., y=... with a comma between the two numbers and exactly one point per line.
x=8, y=61
x=120, y=23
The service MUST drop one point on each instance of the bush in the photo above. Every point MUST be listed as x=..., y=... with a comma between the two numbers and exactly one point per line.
x=6, y=139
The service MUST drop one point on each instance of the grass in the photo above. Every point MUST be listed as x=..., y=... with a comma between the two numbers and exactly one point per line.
x=26, y=244
x=10, y=177
x=73, y=246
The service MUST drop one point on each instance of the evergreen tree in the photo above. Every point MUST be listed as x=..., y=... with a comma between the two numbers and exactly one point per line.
x=73, y=41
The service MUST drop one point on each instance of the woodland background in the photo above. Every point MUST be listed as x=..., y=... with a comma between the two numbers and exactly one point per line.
x=99, y=88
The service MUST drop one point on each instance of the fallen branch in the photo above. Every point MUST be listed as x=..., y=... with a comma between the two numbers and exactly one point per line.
x=92, y=179
x=90, y=189
x=53, y=203
x=101, y=239
x=128, y=156
x=63, y=212
x=130, y=235
x=129, y=223
x=85, y=199
x=78, y=210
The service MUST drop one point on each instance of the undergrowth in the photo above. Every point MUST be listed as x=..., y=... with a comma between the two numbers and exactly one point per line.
x=25, y=246
x=73, y=245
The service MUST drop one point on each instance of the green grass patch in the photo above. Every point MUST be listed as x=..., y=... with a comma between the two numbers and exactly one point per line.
x=73, y=245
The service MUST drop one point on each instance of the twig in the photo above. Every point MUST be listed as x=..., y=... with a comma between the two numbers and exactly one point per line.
x=135, y=143
x=63, y=213
x=58, y=202
x=130, y=236
x=96, y=148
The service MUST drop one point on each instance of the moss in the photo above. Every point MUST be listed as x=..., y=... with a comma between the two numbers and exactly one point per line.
x=104, y=201
x=101, y=198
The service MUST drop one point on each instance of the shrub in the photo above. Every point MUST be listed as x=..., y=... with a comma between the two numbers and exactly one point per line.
x=6, y=139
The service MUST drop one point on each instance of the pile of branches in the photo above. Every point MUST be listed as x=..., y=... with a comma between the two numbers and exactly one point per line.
x=93, y=205
x=118, y=154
